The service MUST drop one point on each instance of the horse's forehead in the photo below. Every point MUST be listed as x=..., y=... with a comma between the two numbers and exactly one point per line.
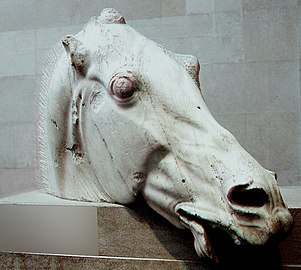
x=121, y=41
x=103, y=36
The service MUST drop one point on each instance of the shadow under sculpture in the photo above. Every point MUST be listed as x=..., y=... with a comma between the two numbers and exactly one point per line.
x=121, y=116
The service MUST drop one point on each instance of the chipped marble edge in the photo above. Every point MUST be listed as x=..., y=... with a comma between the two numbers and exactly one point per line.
x=39, y=197
x=290, y=194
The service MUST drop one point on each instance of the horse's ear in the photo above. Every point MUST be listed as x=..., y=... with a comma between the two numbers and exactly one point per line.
x=191, y=64
x=109, y=16
x=79, y=55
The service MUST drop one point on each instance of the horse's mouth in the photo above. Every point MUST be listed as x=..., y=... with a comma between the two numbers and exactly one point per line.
x=206, y=232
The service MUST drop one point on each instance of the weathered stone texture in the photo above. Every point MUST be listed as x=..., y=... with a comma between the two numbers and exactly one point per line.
x=198, y=7
x=16, y=145
x=270, y=34
x=249, y=53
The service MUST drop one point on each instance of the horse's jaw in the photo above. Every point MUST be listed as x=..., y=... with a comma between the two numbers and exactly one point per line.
x=176, y=190
x=203, y=225
x=195, y=222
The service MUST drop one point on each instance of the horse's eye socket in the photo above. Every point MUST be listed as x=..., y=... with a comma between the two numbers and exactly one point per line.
x=123, y=88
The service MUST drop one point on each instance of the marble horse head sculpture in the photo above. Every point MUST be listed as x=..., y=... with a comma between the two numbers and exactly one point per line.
x=121, y=116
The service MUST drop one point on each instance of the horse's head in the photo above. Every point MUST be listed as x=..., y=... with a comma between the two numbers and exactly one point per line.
x=125, y=116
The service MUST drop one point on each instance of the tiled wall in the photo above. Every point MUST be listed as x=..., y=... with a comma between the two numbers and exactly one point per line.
x=249, y=52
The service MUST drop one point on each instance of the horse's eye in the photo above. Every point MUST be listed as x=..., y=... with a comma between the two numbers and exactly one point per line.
x=123, y=87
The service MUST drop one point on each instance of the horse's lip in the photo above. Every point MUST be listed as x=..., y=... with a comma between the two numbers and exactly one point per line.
x=201, y=225
x=188, y=214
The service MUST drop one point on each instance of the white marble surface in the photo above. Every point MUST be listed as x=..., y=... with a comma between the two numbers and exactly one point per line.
x=38, y=197
x=228, y=48
x=290, y=194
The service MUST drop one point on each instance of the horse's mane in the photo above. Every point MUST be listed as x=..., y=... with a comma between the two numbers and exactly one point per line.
x=42, y=93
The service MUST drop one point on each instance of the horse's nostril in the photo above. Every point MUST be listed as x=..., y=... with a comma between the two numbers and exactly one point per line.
x=243, y=195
